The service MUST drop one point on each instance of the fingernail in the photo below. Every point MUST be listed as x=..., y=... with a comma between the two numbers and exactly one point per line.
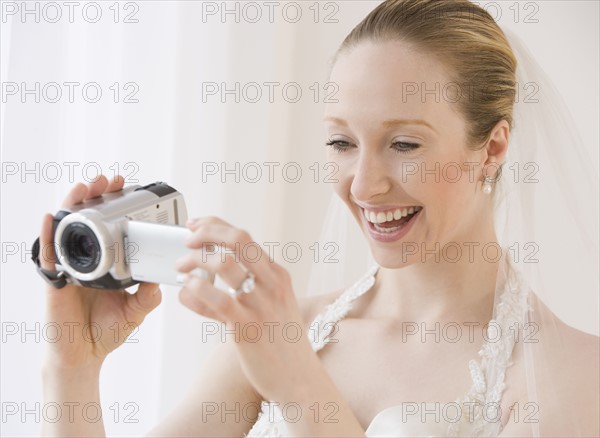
x=182, y=278
x=192, y=220
x=157, y=290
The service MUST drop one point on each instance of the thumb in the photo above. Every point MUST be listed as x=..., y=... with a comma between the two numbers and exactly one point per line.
x=147, y=297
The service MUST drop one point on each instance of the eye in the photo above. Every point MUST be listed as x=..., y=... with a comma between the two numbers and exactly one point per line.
x=399, y=146
x=404, y=147
x=338, y=145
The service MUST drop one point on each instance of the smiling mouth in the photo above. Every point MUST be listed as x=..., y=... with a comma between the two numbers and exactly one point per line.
x=391, y=220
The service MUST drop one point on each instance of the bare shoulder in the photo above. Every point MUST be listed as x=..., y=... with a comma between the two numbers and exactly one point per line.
x=568, y=360
x=556, y=382
x=584, y=345
x=582, y=357
x=565, y=341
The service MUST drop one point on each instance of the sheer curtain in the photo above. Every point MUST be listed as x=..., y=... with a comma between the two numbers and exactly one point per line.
x=169, y=110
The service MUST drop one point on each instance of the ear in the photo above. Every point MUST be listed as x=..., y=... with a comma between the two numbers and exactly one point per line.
x=497, y=147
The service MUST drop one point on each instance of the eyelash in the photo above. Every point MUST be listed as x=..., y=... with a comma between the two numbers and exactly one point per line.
x=336, y=144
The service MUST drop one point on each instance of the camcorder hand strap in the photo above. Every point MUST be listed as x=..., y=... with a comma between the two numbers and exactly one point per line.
x=55, y=279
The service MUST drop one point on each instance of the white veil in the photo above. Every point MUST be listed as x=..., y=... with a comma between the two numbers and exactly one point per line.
x=555, y=171
x=547, y=217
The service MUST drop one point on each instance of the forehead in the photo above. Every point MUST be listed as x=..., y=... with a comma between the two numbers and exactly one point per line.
x=391, y=78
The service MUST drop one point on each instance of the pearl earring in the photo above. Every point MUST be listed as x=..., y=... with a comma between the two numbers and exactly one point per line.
x=487, y=185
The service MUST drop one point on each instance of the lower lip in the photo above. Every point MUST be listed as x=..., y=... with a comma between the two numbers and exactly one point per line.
x=395, y=235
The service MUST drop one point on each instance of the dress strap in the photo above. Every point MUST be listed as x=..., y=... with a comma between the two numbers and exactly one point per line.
x=488, y=374
x=324, y=323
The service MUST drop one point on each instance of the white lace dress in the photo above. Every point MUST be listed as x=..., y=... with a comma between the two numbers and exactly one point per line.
x=487, y=374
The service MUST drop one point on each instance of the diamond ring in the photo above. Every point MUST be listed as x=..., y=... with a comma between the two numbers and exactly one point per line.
x=246, y=287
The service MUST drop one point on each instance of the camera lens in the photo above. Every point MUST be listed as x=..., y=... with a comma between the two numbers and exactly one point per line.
x=80, y=247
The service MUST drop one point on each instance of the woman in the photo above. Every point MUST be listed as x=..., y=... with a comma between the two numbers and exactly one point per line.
x=388, y=372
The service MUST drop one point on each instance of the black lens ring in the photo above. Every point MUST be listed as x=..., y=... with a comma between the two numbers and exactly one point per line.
x=80, y=247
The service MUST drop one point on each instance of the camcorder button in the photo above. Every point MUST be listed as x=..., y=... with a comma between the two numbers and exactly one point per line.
x=159, y=188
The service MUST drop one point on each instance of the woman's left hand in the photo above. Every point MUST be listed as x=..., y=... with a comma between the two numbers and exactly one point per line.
x=268, y=328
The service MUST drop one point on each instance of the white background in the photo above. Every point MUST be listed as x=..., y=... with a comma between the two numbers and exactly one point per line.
x=170, y=132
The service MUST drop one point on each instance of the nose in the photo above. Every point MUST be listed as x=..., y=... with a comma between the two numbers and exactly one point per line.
x=371, y=177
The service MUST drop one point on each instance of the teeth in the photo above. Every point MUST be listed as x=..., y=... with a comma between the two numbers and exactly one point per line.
x=386, y=230
x=382, y=217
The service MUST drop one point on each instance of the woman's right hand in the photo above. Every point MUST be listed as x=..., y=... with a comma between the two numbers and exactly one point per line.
x=94, y=322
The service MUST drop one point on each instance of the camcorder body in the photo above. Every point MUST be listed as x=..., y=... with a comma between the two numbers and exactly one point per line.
x=119, y=239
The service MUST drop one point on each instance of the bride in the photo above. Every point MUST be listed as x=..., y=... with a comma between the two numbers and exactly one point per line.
x=444, y=335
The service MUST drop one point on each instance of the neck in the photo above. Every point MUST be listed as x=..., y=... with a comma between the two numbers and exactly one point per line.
x=439, y=289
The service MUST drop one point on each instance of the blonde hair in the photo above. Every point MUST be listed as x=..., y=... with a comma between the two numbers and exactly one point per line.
x=466, y=39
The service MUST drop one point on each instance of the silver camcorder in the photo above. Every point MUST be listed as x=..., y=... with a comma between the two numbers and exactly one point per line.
x=119, y=239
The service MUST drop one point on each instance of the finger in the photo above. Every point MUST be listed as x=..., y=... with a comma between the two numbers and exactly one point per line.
x=115, y=184
x=238, y=242
x=195, y=223
x=226, y=266
x=192, y=302
x=47, y=257
x=220, y=234
x=75, y=196
x=97, y=187
x=147, y=297
x=223, y=306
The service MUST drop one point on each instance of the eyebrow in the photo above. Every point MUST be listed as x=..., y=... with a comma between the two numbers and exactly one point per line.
x=388, y=123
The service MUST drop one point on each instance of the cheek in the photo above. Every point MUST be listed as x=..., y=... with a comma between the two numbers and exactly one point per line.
x=456, y=196
x=446, y=189
x=339, y=176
